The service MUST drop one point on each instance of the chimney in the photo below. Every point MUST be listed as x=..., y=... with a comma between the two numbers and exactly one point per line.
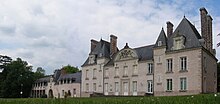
x=113, y=44
x=169, y=29
x=93, y=44
x=209, y=32
x=204, y=32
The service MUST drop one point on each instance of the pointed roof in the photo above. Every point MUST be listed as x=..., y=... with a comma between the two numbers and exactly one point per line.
x=102, y=49
x=162, y=37
x=189, y=31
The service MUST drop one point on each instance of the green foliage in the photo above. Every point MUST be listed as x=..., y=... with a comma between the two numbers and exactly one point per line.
x=70, y=69
x=196, y=99
x=17, y=76
x=40, y=72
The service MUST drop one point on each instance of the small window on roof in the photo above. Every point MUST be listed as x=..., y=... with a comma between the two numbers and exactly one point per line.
x=159, y=43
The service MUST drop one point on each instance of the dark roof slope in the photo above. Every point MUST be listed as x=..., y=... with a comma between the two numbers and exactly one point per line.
x=76, y=76
x=162, y=37
x=189, y=31
x=102, y=49
x=145, y=53
x=44, y=79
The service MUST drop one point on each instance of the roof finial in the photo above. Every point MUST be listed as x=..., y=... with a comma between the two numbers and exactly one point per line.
x=126, y=46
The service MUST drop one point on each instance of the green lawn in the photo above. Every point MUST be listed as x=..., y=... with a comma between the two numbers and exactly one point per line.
x=195, y=99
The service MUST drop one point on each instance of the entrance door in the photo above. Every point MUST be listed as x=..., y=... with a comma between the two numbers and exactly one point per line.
x=125, y=88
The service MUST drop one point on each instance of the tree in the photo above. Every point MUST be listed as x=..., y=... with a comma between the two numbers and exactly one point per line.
x=40, y=72
x=18, y=78
x=70, y=69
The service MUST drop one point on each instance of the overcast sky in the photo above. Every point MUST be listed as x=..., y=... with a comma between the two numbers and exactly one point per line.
x=54, y=33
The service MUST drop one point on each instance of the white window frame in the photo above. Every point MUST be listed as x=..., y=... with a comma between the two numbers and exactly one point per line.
x=183, y=63
x=149, y=86
x=183, y=84
x=134, y=86
x=169, y=63
x=87, y=87
x=116, y=86
x=94, y=87
x=125, y=71
x=135, y=70
x=116, y=71
x=169, y=84
x=150, y=68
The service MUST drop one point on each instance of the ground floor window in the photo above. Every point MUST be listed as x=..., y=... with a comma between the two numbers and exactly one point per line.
x=183, y=83
x=169, y=85
x=149, y=86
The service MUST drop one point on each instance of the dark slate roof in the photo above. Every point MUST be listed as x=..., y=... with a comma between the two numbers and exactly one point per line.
x=76, y=76
x=145, y=53
x=44, y=79
x=189, y=31
x=102, y=48
x=56, y=75
x=162, y=37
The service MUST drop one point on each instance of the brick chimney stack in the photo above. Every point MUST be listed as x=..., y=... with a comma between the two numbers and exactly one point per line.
x=113, y=44
x=206, y=28
x=169, y=29
x=209, y=29
x=93, y=44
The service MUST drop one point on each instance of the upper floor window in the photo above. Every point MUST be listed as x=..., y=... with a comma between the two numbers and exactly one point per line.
x=94, y=73
x=87, y=73
x=159, y=43
x=116, y=71
x=150, y=68
x=106, y=73
x=135, y=70
x=178, y=42
x=183, y=63
x=169, y=65
x=91, y=59
x=125, y=71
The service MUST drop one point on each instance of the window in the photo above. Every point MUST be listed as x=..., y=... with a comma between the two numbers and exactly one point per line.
x=149, y=86
x=87, y=72
x=150, y=68
x=125, y=71
x=91, y=59
x=116, y=87
x=94, y=87
x=183, y=84
x=106, y=87
x=94, y=73
x=159, y=43
x=135, y=70
x=62, y=92
x=87, y=87
x=169, y=85
x=183, y=63
x=169, y=65
x=134, y=86
x=116, y=71
x=106, y=73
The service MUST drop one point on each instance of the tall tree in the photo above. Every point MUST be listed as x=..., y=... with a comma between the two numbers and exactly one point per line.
x=18, y=80
x=40, y=72
x=70, y=69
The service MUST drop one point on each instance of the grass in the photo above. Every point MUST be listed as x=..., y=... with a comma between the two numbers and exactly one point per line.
x=194, y=99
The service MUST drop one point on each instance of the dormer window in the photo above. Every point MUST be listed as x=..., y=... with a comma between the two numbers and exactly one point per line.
x=159, y=43
x=178, y=42
x=91, y=59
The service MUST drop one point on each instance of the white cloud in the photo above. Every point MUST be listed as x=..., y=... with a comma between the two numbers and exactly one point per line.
x=52, y=33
